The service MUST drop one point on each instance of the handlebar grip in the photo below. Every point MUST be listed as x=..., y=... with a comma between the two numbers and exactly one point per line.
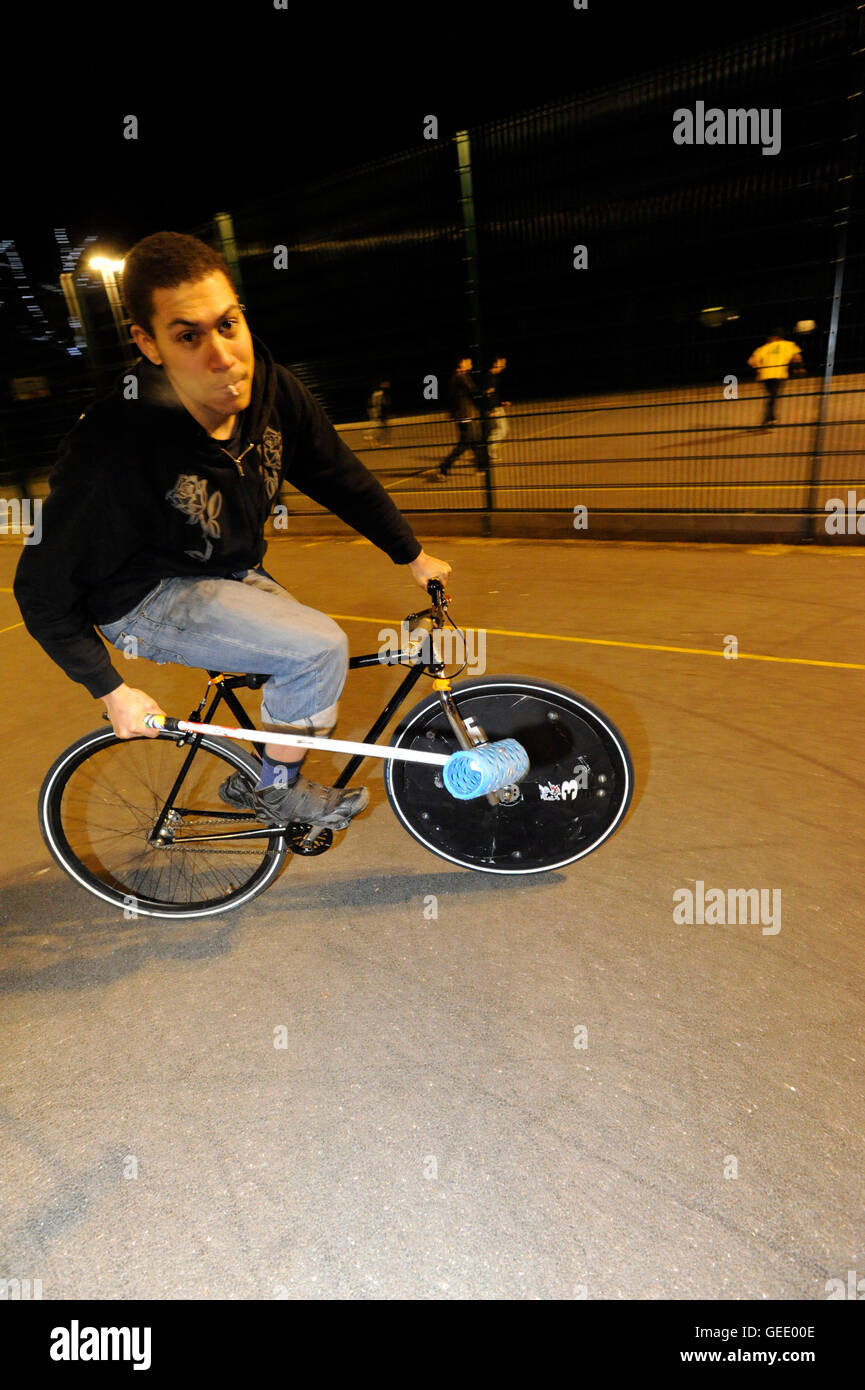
x=162, y=721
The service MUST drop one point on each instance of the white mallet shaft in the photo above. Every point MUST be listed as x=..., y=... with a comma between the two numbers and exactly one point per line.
x=333, y=745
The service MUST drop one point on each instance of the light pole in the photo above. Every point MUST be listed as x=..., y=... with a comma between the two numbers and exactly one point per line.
x=110, y=270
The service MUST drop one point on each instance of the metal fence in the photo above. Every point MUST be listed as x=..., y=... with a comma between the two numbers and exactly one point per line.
x=626, y=277
x=674, y=463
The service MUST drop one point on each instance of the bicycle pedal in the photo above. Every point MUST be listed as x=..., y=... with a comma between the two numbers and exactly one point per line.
x=309, y=839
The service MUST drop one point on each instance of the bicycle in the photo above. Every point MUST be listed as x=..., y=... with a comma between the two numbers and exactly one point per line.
x=138, y=822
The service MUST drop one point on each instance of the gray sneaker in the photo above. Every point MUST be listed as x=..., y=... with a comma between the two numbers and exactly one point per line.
x=303, y=802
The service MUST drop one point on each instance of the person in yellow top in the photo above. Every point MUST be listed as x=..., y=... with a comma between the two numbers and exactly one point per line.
x=772, y=362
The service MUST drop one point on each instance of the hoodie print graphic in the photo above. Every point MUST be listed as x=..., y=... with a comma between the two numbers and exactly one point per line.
x=271, y=459
x=189, y=495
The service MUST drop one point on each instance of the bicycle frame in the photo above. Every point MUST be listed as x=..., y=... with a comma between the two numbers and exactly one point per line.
x=431, y=620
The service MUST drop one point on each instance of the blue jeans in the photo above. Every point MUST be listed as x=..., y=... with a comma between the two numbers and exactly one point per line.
x=247, y=624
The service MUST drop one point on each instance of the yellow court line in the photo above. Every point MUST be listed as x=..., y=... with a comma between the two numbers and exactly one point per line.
x=635, y=646
x=610, y=487
x=605, y=642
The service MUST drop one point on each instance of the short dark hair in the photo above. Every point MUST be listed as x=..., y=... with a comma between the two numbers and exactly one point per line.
x=161, y=262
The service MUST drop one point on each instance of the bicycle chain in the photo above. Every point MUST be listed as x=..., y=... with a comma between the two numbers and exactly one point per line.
x=214, y=820
x=234, y=852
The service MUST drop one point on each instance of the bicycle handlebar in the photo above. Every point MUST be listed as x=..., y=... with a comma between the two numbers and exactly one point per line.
x=436, y=591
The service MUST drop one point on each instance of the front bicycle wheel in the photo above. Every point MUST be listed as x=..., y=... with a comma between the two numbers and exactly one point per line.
x=574, y=797
x=102, y=812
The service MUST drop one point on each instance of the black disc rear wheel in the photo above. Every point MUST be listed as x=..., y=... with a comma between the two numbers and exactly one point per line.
x=575, y=795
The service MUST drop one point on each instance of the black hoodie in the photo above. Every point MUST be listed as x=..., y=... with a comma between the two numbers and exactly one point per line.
x=141, y=492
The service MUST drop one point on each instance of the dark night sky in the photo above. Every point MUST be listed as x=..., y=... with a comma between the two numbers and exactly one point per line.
x=238, y=103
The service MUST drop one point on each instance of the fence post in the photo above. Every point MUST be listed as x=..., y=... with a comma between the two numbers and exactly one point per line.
x=842, y=216
x=225, y=231
x=73, y=309
x=472, y=280
x=840, y=260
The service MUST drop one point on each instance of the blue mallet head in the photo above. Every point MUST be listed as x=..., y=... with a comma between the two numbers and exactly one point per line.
x=488, y=768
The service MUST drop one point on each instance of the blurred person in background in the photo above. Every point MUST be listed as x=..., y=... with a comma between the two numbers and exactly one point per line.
x=772, y=362
x=495, y=407
x=378, y=409
x=466, y=413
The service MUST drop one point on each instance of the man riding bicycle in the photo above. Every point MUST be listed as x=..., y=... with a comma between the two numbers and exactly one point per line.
x=153, y=531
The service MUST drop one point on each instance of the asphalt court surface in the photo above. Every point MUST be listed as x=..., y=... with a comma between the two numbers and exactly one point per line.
x=550, y=1089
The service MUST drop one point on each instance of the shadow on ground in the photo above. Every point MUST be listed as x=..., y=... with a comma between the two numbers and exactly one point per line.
x=71, y=947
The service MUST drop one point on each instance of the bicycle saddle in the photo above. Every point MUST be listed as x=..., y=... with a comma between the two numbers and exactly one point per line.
x=238, y=679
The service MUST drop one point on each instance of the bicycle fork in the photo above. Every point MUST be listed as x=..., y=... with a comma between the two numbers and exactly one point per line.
x=469, y=734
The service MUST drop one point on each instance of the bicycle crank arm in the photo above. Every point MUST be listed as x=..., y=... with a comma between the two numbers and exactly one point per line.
x=466, y=774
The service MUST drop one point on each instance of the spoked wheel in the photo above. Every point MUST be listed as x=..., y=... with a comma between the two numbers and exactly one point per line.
x=99, y=811
x=574, y=797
